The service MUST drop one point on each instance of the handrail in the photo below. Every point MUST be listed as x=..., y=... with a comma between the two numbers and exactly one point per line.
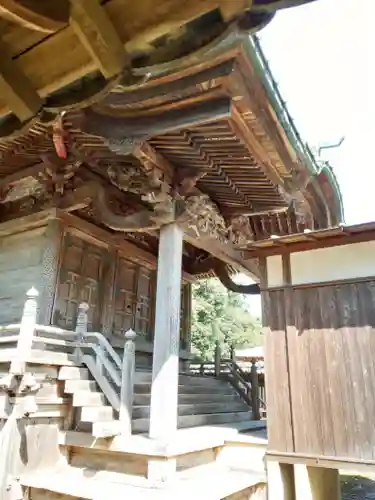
x=114, y=376
x=245, y=383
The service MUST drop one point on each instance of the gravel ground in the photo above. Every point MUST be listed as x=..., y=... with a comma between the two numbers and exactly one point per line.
x=357, y=488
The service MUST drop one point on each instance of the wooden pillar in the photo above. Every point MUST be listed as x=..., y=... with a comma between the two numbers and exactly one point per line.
x=50, y=264
x=280, y=481
x=164, y=391
x=316, y=483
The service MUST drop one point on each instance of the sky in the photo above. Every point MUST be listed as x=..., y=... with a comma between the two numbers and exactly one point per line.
x=320, y=56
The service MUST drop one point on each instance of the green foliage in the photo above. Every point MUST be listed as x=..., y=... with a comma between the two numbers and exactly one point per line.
x=219, y=313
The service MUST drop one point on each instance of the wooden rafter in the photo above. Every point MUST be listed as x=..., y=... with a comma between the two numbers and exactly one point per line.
x=247, y=137
x=16, y=89
x=97, y=34
x=137, y=25
x=121, y=129
x=37, y=15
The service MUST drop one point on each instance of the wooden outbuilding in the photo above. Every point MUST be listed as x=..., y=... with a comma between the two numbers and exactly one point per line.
x=318, y=313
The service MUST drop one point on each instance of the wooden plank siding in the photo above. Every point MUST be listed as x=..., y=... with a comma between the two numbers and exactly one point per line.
x=67, y=265
x=21, y=267
x=279, y=426
x=321, y=364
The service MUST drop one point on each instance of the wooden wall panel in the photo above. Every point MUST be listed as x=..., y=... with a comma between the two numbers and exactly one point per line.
x=331, y=349
x=279, y=421
x=145, y=302
x=133, y=298
x=21, y=267
x=121, y=293
x=81, y=278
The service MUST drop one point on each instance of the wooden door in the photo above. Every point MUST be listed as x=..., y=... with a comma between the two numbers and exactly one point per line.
x=81, y=278
x=133, y=299
x=143, y=313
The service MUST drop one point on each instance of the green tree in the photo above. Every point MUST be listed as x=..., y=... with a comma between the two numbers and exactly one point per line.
x=219, y=313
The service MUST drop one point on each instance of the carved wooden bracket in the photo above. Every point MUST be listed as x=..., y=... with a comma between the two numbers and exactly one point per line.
x=145, y=220
x=222, y=274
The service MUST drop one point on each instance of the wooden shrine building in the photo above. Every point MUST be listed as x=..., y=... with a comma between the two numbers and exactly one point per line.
x=143, y=145
x=205, y=141
x=318, y=314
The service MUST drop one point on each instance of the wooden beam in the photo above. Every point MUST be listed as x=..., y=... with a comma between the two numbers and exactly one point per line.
x=132, y=252
x=122, y=129
x=223, y=251
x=36, y=15
x=78, y=198
x=31, y=171
x=16, y=89
x=98, y=35
x=28, y=222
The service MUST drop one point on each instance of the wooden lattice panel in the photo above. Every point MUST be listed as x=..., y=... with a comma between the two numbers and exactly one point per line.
x=125, y=297
x=80, y=280
x=145, y=296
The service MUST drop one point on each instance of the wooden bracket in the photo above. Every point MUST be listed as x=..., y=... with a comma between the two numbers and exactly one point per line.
x=98, y=35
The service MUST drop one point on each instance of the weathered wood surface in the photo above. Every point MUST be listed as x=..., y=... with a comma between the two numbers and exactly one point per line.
x=120, y=292
x=21, y=268
x=280, y=429
x=321, y=366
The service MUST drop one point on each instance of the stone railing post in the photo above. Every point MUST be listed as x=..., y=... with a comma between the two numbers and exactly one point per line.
x=255, y=389
x=81, y=327
x=127, y=383
x=26, y=333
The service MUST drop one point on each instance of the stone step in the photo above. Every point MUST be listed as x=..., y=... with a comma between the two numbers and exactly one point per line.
x=142, y=424
x=190, y=380
x=195, y=409
x=72, y=386
x=74, y=373
x=85, y=398
x=192, y=389
x=96, y=414
x=144, y=399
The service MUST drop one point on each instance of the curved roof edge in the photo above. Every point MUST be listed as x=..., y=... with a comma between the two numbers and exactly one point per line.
x=314, y=166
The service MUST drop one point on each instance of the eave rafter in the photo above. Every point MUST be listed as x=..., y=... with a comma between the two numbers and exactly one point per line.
x=89, y=21
x=124, y=134
x=46, y=17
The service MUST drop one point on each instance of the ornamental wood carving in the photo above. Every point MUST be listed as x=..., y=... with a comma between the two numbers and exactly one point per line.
x=239, y=231
x=203, y=216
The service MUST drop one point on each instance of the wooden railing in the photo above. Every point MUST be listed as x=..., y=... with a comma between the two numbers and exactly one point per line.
x=114, y=376
x=249, y=384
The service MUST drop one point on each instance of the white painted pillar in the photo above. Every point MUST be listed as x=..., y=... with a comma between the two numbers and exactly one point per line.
x=164, y=391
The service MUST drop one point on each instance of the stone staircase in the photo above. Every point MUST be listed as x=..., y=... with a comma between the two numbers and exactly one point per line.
x=202, y=401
